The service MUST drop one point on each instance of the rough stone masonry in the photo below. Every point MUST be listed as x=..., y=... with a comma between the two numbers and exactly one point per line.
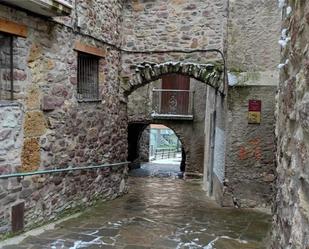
x=291, y=222
x=46, y=127
x=247, y=31
x=51, y=128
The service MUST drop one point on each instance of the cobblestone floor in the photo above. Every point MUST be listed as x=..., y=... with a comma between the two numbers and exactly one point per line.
x=158, y=213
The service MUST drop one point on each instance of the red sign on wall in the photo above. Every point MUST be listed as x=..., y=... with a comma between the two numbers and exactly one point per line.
x=255, y=105
x=254, y=114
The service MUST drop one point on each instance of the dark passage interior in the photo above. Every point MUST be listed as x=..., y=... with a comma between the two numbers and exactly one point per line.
x=155, y=147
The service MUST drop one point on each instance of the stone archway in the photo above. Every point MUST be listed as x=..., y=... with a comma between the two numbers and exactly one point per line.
x=135, y=131
x=145, y=73
x=191, y=130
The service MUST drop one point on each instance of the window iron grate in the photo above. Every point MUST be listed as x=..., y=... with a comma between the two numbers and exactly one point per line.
x=6, y=67
x=88, y=77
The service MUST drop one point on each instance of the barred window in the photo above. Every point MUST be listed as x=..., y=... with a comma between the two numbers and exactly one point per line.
x=88, y=77
x=6, y=67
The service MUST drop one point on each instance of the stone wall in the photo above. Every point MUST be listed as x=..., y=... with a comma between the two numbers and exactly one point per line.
x=214, y=144
x=144, y=144
x=253, y=28
x=55, y=130
x=252, y=58
x=11, y=136
x=45, y=197
x=291, y=220
x=169, y=25
x=250, y=169
x=140, y=102
x=58, y=131
x=173, y=22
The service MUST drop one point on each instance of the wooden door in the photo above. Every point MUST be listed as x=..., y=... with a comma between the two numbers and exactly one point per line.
x=175, y=102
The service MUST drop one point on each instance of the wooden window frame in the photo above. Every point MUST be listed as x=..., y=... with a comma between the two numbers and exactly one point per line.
x=13, y=28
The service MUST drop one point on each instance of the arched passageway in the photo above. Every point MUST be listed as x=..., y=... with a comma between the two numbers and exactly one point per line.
x=154, y=93
x=164, y=149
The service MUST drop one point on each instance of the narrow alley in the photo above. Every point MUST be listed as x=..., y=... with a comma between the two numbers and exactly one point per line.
x=158, y=213
x=154, y=124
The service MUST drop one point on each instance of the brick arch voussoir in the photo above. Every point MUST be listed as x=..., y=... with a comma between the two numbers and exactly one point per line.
x=148, y=72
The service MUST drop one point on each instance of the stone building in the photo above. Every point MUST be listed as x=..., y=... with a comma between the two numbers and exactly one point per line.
x=55, y=120
x=291, y=221
x=83, y=74
x=240, y=169
x=252, y=58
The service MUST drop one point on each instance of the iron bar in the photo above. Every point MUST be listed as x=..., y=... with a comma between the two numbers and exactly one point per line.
x=53, y=171
x=165, y=153
x=88, y=77
x=96, y=79
x=172, y=102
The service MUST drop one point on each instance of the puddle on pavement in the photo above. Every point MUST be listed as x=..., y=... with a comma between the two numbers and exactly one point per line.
x=158, y=213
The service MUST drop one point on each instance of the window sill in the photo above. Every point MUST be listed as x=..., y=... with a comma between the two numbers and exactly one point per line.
x=5, y=103
x=50, y=8
x=89, y=100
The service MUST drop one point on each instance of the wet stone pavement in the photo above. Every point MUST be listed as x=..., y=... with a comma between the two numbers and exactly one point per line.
x=158, y=213
x=158, y=170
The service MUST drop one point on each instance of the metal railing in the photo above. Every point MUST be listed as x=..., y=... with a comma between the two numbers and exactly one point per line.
x=165, y=153
x=172, y=103
x=54, y=171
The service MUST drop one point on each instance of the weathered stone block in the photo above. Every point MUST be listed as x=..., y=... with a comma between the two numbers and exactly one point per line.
x=269, y=178
x=33, y=99
x=24, y=194
x=59, y=90
x=5, y=169
x=31, y=157
x=34, y=124
x=35, y=52
x=25, y=183
x=4, y=134
x=18, y=75
x=73, y=80
x=50, y=103
x=304, y=114
x=9, y=199
x=2, y=194
x=57, y=180
x=10, y=120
